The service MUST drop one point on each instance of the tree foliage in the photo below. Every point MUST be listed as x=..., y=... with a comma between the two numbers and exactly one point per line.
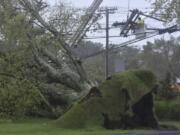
x=166, y=92
x=160, y=56
x=167, y=9
x=18, y=88
x=36, y=55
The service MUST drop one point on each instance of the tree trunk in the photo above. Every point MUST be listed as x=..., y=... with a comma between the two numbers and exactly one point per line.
x=65, y=69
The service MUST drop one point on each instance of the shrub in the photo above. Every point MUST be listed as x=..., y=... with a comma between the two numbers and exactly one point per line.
x=18, y=98
x=19, y=95
x=168, y=110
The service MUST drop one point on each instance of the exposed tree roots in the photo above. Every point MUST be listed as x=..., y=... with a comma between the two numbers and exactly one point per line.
x=143, y=116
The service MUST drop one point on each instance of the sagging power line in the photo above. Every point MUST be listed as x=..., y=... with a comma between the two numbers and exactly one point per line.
x=127, y=26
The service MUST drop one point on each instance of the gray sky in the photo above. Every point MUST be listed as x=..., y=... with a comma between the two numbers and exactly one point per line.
x=119, y=3
x=121, y=15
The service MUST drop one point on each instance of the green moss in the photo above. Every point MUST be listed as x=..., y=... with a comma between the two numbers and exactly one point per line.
x=112, y=102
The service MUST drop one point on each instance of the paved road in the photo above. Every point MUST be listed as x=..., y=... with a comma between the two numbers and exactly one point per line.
x=152, y=133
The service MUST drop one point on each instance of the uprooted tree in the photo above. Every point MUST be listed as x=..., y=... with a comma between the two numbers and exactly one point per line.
x=38, y=55
x=65, y=68
x=48, y=49
x=69, y=70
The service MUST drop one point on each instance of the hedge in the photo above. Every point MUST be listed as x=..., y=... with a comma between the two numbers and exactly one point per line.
x=168, y=110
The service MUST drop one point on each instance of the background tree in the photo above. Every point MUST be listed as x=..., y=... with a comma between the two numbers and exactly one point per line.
x=166, y=91
x=167, y=9
x=131, y=57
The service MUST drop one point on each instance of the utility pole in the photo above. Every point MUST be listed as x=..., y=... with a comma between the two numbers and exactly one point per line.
x=107, y=44
x=107, y=11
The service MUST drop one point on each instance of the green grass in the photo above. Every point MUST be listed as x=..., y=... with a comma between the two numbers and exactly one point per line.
x=45, y=127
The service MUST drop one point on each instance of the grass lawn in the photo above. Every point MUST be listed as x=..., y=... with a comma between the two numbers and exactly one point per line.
x=44, y=127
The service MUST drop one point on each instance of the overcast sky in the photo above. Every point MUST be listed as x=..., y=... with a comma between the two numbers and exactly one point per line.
x=121, y=15
x=119, y=3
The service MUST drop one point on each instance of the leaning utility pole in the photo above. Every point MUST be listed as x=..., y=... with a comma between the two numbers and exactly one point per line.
x=107, y=11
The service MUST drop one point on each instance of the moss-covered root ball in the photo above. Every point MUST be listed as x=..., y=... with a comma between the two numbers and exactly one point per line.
x=126, y=101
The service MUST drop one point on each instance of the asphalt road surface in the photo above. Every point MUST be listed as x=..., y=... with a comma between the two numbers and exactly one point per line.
x=152, y=133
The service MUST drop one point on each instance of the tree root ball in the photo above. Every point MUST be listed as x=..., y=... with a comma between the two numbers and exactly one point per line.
x=122, y=102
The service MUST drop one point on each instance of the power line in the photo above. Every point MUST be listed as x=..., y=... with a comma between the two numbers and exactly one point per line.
x=95, y=29
x=117, y=7
x=124, y=44
x=117, y=36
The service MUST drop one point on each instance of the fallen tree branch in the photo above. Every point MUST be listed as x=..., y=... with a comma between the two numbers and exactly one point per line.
x=68, y=79
x=59, y=94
